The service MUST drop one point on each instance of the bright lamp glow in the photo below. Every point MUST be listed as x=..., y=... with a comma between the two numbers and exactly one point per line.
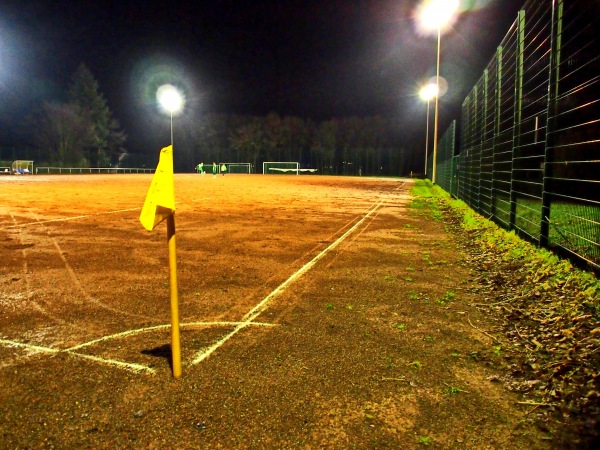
x=428, y=92
x=170, y=98
x=436, y=14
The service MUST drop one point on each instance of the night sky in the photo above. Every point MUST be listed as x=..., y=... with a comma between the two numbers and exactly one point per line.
x=315, y=60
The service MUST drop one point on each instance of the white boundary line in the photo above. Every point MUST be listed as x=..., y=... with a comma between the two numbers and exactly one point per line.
x=262, y=306
x=21, y=225
x=161, y=327
x=113, y=362
x=36, y=348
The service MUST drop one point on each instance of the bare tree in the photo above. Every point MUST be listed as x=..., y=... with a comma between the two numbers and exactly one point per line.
x=62, y=134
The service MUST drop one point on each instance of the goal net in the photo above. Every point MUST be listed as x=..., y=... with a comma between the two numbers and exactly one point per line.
x=237, y=167
x=290, y=168
x=21, y=167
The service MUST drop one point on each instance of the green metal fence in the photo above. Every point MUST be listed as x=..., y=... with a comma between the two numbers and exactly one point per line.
x=530, y=130
x=446, y=170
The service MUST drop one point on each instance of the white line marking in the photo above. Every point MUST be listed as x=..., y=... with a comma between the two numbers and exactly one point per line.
x=113, y=362
x=162, y=327
x=36, y=348
x=260, y=307
x=69, y=218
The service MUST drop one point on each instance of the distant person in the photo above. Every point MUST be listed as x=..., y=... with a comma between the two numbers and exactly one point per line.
x=200, y=168
x=214, y=169
x=223, y=169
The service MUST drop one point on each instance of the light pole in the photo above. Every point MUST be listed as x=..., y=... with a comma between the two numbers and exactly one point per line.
x=427, y=93
x=436, y=14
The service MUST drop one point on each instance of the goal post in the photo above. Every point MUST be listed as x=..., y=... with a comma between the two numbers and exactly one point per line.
x=21, y=167
x=237, y=167
x=282, y=168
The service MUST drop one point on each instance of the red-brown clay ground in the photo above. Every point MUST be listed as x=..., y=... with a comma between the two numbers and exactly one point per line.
x=367, y=345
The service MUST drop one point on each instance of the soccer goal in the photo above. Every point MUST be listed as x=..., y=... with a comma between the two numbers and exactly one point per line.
x=292, y=168
x=21, y=167
x=237, y=167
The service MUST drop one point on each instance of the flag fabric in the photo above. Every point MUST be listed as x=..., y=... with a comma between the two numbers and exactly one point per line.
x=160, y=200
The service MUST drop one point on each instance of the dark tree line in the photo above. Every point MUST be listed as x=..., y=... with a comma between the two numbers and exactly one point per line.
x=347, y=146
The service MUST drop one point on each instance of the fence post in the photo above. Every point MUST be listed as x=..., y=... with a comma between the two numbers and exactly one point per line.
x=475, y=125
x=485, y=136
x=553, y=92
x=497, y=123
x=454, y=177
x=517, y=115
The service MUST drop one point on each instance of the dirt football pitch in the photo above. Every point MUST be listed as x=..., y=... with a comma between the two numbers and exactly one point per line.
x=315, y=312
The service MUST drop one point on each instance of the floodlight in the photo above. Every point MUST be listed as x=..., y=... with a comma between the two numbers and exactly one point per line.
x=170, y=98
x=428, y=92
x=436, y=14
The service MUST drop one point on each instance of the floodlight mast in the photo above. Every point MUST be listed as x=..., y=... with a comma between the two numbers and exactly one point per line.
x=437, y=111
x=427, y=93
x=435, y=15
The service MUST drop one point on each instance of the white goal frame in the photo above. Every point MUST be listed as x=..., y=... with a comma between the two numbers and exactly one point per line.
x=22, y=167
x=285, y=167
x=247, y=167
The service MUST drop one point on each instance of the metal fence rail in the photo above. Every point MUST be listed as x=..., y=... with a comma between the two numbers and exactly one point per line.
x=530, y=131
x=71, y=170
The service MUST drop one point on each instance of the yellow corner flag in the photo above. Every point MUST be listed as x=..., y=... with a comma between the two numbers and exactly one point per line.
x=160, y=200
x=160, y=205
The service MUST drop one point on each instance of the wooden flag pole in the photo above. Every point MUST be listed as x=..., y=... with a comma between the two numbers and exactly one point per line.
x=175, y=346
